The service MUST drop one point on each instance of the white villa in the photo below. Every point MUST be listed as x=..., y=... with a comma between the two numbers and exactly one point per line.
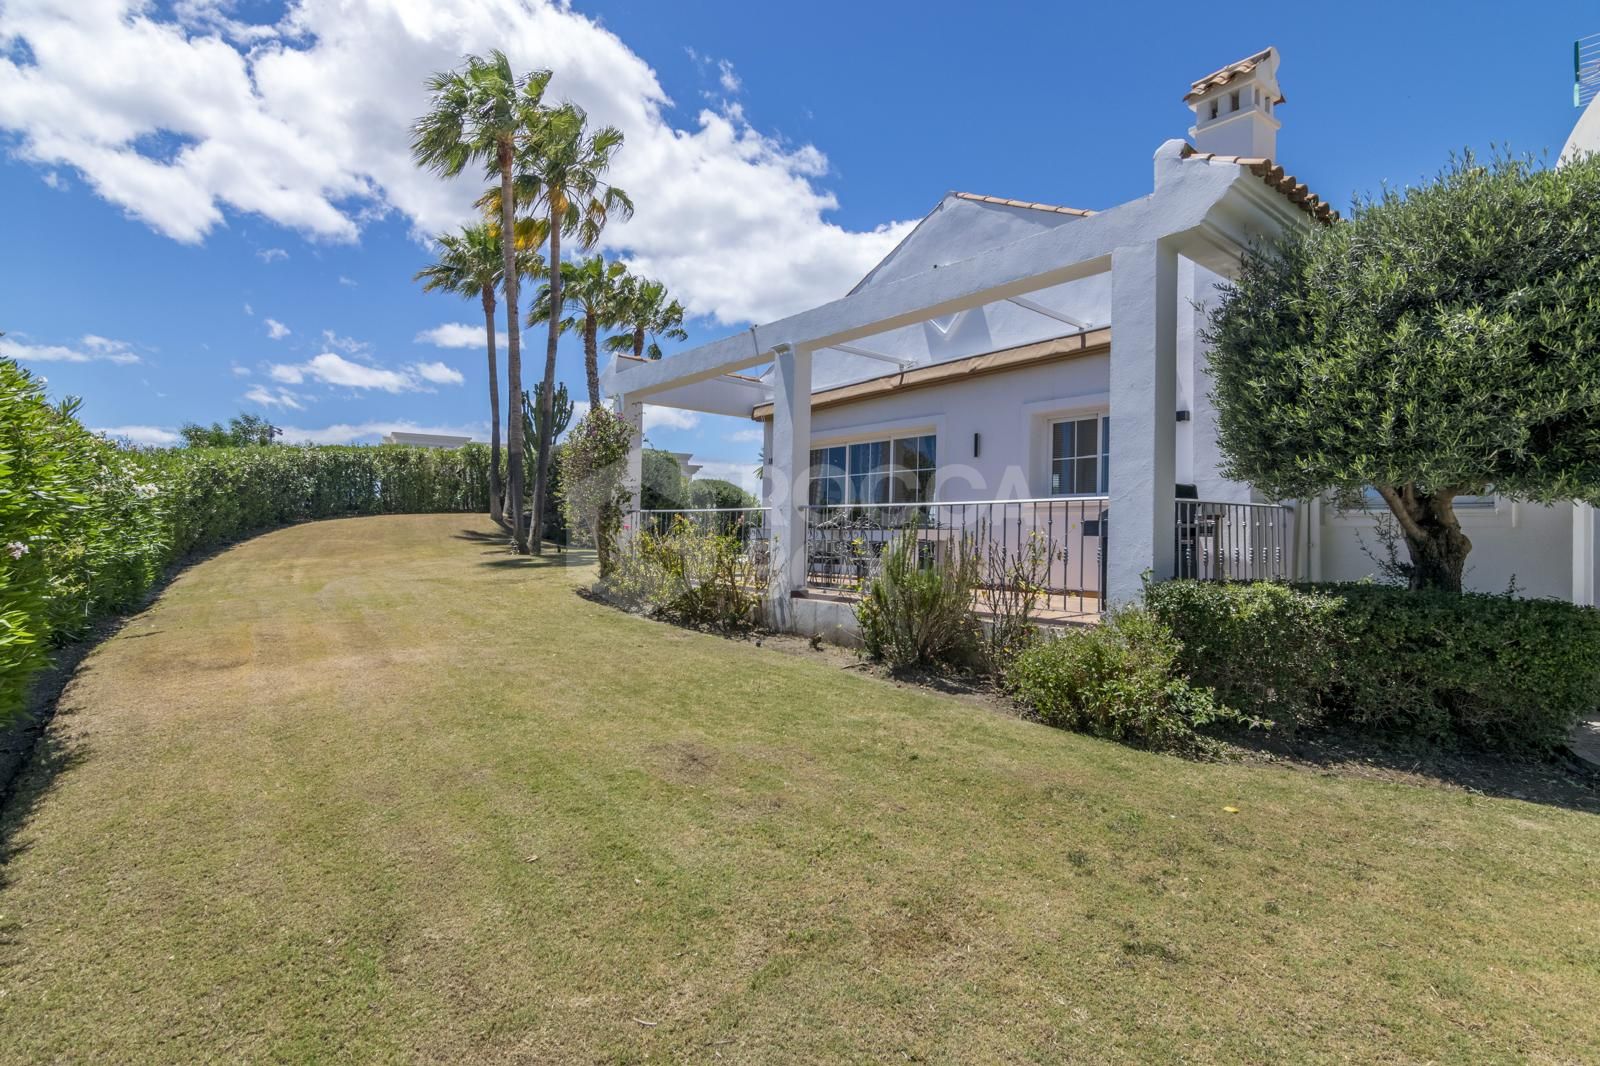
x=1020, y=370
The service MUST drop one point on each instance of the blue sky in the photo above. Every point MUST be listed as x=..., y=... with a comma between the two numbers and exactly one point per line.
x=209, y=210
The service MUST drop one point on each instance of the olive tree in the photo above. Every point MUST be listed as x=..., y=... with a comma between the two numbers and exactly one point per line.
x=1444, y=341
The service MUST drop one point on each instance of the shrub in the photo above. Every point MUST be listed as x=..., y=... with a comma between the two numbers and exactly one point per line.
x=1013, y=583
x=1266, y=649
x=1488, y=672
x=912, y=614
x=1120, y=680
x=591, y=492
x=691, y=575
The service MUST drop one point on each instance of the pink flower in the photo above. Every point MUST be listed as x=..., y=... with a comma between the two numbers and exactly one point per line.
x=17, y=549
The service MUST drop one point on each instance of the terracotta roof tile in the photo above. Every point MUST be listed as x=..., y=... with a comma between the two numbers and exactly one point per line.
x=1218, y=78
x=1023, y=203
x=1295, y=190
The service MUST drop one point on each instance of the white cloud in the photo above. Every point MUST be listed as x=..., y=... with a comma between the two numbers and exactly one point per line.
x=351, y=282
x=668, y=418
x=459, y=335
x=370, y=432
x=330, y=368
x=240, y=371
x=344, y=344
x=272, y=255
x=269, y=397
x=147, y=435
x=90, y=349
x=277, y=331
x=744, y=436
x=249, y=310
x=437, y=373
x=179, y=118
x=727, y=78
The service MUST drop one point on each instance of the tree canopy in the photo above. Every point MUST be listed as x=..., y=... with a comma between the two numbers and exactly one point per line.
x=241, y=432
x=1441, y=342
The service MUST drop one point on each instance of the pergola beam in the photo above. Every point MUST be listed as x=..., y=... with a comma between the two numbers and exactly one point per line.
x=1048, y=312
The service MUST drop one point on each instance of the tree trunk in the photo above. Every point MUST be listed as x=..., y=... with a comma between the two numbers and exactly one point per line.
x=508, y=244
x=638, y=342
x=547, y=394
x=496, y=495
x=1433, y=536
x=591, y=359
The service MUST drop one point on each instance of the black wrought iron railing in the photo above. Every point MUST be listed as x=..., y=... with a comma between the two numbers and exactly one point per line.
x=1234, y=541
x=1056, y=546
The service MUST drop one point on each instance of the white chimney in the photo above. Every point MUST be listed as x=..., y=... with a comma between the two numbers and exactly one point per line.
x=1234, y=108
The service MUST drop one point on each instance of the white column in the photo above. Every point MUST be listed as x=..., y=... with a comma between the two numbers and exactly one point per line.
x=633, y=472
x=790, y=463
x=1144, y=366
x=1583, y=561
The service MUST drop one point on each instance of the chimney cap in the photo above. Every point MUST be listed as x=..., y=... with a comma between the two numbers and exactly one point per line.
x=1266, y=60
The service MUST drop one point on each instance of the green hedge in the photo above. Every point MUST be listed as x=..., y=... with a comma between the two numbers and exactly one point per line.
x=1473, y=670
x=1121, y=679
x=86, y=527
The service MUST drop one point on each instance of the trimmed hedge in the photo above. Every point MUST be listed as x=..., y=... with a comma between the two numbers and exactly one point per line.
x=1471, y=670
x=86, y=527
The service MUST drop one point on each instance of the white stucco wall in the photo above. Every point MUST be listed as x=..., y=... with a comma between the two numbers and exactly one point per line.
x=1010, y=412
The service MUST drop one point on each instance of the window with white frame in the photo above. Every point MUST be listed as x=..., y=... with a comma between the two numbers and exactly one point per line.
x=1080, y=456
x=894, y=470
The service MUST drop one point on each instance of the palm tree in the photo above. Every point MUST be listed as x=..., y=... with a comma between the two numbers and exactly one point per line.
x=475, y=115
x=594, y=287
x=646, y=311
x=563, y=173
x=470, y=264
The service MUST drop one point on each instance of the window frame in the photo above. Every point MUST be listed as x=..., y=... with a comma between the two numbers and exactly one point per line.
x=872, y=473
x=1101, y=454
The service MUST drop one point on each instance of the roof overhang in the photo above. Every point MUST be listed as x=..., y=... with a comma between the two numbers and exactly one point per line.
x=1072, y=346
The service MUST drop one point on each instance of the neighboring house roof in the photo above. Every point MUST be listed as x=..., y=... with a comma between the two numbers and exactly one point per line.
x=1219, y=78
x=426, y=440
x=1274, y=176
x=1071, y=346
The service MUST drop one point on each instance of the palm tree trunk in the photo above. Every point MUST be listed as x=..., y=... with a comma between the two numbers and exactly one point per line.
x=638, y=342
x=547, y=394
x=508, y=244
x=496, y=495
x=591, y=359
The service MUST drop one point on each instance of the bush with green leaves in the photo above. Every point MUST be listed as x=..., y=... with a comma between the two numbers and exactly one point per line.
x=1122, y=680
x=1470, y=670
x=1266, y=649
x=1439, y=343
x=1487, y=672
x=916, y=611
x=693, y=575
x=591, y=491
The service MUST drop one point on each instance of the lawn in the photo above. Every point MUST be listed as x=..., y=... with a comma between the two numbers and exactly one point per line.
x=372, y=790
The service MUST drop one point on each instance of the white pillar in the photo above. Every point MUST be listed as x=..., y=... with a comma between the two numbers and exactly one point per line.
x=1144, y=366
x=633, y=472
x=1583, y=561
x=790, y=464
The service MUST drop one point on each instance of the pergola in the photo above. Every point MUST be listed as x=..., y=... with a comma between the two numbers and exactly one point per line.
x=1116, y=269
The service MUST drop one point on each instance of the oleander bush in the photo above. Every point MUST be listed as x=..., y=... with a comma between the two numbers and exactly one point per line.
x=1468, y=670
x=1123, y=680
x=87, y=527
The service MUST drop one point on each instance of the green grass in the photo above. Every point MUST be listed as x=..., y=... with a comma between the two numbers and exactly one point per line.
x=370, y=790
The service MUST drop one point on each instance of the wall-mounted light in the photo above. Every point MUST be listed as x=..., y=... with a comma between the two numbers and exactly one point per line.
x=1183, y=416
x=977, y=444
